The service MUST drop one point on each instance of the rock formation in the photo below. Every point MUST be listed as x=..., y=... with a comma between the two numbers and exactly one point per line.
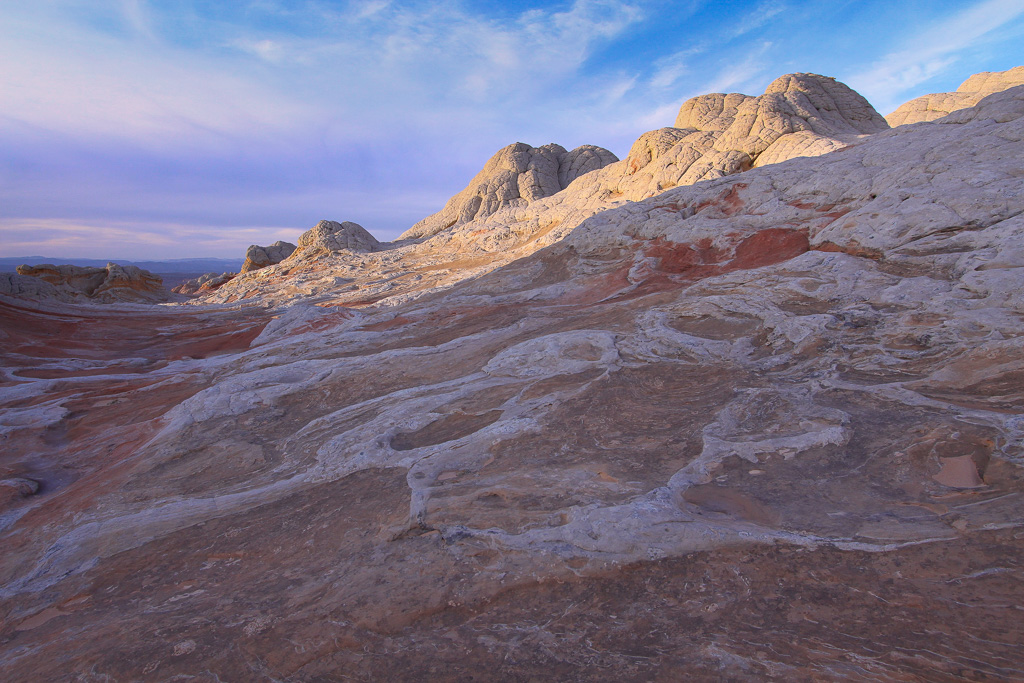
x=208, y=282
x=514, y=176
x=717, y=135
x=799, y=115
x=257, y=257
x=714, y=136
x=333, y=236
x=970, y=92
x=115, y=283
x=765, y=426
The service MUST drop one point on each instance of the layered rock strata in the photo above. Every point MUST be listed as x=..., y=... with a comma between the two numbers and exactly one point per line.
x=66, y=282
x=762, y=427
x=332, y=236
x=799, y=115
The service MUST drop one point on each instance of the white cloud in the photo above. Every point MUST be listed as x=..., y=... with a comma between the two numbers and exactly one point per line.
x=931, y=51
x=369, y=9
x=382, y=64
x=735, y=76
x=98, y=88
x=278, y=113
x=272, y=51
x=671, y=69
x=761, y=15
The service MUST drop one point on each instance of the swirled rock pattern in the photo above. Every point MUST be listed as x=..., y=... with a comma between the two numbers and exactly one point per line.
x=765, y=426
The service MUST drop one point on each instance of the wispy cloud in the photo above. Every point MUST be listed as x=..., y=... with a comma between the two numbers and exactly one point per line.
x=137, y=16
x=738, y=75
x=378, y=61
x=153, y=115
x=670, y=69
x=764, y=12
x=932, y=51
x=744, y=74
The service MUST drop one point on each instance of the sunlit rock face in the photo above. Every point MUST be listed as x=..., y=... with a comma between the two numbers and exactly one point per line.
x=333, y=236
x=765, y=426
x=527, y=198
x=69, y=283
x=205, y=283
x=970, y=92
x=798, y=115
x=257, y=257
x=515, y=176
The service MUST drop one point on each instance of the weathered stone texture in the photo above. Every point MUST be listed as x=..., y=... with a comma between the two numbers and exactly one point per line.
x=257, y=257
x=514, y=176
x=970, y=92
x=114, y=283
x=765, y=426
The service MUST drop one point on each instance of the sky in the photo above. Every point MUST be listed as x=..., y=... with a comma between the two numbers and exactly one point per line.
x=157, y=129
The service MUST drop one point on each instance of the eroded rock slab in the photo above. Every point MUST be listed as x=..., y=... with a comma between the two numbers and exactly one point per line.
x=761, y=427
x=68, y=283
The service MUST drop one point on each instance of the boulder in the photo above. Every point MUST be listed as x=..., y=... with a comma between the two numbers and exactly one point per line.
x=257, y=257
x=27, y=287
x=207, y=282
x=333, y=236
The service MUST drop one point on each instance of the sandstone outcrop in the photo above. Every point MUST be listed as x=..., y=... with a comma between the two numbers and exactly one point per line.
x=257, y=257
x=28, y=287
x=798, y=115
x=970, y=92
x=514, y=176
x=765, y=426
x=714, y=136
x=208, y=282
x=332, y=236
x=114, y=283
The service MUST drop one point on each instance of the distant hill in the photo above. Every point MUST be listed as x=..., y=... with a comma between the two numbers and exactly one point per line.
x=187, y=265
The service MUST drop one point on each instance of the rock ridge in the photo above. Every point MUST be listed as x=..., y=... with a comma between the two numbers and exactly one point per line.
x=971, y=92
x=113, y=283
x=516, y=175
x=765, y=426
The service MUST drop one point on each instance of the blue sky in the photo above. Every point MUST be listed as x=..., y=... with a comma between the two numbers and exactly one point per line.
x=169, y=129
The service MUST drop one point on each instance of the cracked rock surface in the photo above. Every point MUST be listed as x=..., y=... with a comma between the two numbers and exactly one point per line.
x=763, y=427
x=970, y=92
